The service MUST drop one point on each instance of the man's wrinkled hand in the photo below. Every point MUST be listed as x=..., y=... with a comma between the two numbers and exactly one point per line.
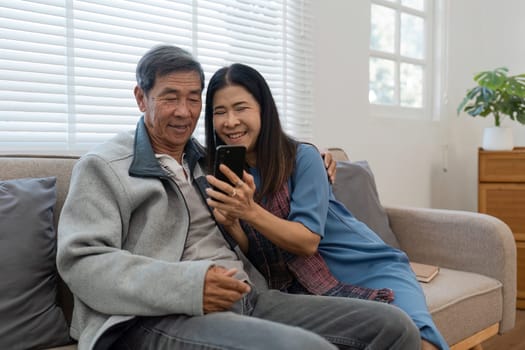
x=222, y=290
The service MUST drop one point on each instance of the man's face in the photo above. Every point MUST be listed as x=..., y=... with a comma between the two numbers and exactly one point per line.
x=171, y=111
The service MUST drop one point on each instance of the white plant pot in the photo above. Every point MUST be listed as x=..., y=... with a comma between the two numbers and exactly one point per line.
x=498, y=139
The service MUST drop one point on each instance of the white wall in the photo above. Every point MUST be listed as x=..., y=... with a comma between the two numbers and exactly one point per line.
x=408, y=156
x=484, y=34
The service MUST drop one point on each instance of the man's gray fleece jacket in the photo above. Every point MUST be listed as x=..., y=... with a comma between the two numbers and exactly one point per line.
x=121, y=235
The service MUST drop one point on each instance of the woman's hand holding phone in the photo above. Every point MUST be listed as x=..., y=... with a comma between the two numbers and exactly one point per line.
x=234, y=198
x=232, y=202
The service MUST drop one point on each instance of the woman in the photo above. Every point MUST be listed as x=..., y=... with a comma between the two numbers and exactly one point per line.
x=284, y=205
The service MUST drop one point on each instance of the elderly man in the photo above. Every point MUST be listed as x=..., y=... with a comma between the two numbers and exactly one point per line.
x=149, y=267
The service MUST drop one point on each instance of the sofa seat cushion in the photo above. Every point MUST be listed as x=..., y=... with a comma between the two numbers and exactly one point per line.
x=463, y=303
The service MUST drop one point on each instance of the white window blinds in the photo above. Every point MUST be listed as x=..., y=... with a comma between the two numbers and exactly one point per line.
x=67, y=68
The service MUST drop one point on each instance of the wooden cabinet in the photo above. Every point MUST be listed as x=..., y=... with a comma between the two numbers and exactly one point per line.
x=501, y=193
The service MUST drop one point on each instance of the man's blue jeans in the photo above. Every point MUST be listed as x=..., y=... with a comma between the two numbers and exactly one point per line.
x=272, y=320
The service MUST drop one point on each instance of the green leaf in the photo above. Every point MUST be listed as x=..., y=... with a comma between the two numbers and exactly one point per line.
x=492, y=79
x=462, y=104
x=516, y=85
x=485, y=112
x=487, y=94
x=520, y=117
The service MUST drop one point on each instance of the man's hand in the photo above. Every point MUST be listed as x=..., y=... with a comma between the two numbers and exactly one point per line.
x=222, y=290
x=330, y=165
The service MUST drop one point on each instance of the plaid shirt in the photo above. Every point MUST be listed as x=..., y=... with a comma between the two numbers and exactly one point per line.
x=299, y=274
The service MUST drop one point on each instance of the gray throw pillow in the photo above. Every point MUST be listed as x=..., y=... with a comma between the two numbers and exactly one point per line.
x=355, y=187
x=29, y=315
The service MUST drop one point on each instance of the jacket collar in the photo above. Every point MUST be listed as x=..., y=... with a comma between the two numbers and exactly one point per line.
x=145, y=164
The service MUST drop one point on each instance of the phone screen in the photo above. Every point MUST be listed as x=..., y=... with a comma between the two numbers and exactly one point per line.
x=231, y=156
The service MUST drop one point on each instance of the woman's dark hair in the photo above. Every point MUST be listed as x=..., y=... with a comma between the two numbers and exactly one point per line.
x=275, y=150
x=162, y=60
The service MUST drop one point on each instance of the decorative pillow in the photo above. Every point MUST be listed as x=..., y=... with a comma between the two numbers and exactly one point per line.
x=355, y=187
x=29, y=315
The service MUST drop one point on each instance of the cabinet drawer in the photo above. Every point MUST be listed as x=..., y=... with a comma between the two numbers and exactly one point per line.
x=505, y=201
x=502, y=166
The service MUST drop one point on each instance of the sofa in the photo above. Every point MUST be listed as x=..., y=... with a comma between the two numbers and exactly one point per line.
x=471, y=299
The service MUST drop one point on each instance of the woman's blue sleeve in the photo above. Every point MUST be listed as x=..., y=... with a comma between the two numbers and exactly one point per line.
x=309, y=190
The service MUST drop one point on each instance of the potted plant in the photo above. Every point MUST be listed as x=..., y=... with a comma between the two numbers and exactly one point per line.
x=500, y=95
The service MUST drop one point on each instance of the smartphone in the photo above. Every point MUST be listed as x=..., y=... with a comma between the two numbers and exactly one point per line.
x=233, y=157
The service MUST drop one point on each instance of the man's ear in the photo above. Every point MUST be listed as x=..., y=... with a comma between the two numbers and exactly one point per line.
x=140, y=98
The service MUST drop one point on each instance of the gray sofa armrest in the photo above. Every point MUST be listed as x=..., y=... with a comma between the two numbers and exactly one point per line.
x=460, y=240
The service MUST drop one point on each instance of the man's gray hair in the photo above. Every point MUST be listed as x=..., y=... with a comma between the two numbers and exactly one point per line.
x=162, y=60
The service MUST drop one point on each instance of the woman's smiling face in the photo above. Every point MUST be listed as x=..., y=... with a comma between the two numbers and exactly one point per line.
x=237, y=119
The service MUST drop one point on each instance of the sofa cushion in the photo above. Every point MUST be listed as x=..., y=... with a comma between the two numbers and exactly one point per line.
x=29, y=315
x=355, y=187
x=463, y=302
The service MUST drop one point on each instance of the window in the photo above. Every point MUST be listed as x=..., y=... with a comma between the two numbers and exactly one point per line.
x=405, y=37
x=67, y=68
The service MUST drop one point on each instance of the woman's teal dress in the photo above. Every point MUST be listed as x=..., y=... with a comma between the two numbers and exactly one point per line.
x=353, y=252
